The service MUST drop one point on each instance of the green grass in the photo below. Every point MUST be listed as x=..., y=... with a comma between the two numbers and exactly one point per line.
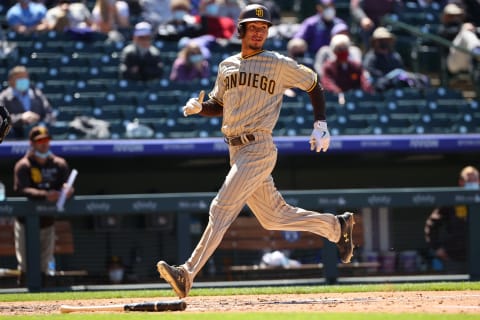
x=434, y=286
x=437, y=286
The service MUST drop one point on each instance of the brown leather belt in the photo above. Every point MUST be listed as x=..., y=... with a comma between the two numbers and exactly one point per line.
x=237, y=141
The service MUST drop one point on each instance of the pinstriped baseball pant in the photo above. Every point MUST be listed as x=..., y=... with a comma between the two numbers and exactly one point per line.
x=249, y=181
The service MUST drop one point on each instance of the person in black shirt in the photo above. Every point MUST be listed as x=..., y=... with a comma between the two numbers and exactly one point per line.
x=140, y=60
x=39, y=175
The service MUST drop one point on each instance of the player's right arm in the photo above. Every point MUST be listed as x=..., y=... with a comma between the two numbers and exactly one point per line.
x=213, y=107
x=209, y=108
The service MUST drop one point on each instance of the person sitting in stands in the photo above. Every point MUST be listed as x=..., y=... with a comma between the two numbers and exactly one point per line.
x=182, y=24
x=110, y=17
x=462, y=34
x=325, y=53
x=27, y=105
x=26, y=17
x=342, y=74
x=385, y=64
x=72, y=17
x=190, y=64
x=316, y=30
x=140, y=60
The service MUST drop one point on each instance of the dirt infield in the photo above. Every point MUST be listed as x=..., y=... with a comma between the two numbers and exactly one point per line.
x=383, y=302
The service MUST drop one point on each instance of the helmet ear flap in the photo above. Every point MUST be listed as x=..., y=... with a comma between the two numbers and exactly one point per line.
x=241, y=30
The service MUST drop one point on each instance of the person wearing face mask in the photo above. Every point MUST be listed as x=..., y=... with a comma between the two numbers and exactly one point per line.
x=326, y=53
x=39, y=175
x=27, y=104
x=343, y=74
x=27, y=17
x=385, y=64
x=213, y=22
x=381, y=58
x=190, y=64
x=316, y=30
x=446, y=230
x=140, y=60
x=297, y=49
x=181, y=23
x=462, y=34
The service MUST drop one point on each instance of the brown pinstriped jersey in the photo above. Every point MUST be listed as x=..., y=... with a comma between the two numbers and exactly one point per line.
x=251, y=88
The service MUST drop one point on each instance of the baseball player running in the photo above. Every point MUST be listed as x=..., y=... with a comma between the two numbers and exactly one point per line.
x=248, y=94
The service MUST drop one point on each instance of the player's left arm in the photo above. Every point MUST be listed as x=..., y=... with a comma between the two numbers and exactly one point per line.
x=306, y=79
x=320, y=137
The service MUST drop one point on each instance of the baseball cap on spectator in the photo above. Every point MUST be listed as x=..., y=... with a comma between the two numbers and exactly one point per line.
x=382, y=33
x=339, y=28
x=339, y=41
x=38, y=133
x=142, y=29
x=180, y=5
x=452, y=9
x=325, y=2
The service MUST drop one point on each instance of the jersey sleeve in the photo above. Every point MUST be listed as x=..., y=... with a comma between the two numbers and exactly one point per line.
x=219, y=88
x=298, y=75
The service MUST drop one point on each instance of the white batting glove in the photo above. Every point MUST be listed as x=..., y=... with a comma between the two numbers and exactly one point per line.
x=320, y=138
x=194, y=105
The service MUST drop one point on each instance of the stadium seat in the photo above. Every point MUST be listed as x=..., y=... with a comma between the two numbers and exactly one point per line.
x=355, y=127
x=390, y=125
x=68, y=113
x=410, y=109
x=436, y=125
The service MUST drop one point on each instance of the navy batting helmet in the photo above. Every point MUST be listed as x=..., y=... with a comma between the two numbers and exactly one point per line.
x=251, y=13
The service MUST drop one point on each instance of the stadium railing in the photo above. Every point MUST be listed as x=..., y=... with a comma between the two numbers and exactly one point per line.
x=186, y=204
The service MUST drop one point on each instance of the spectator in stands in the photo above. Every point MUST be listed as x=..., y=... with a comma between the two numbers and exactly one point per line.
x=316, y=30
x=342, y=74
x=110, y=17
x=182, y=24
x=385, y=65
x=8, y=49
x=325, y=53
x=207, y=43
x=26, y=17
x=212, y=22
x=470, y=7
x=190, y=64
x=69, y=15
x=47, y=3
x=222, y=8
x=140, y=60
x=27, y=105
x=462, y=34
x=446, y=228
x=155, y=12
x=39, y=175
x=367, y=16
x=297, y=49
x=232, y=8
x=273, y=8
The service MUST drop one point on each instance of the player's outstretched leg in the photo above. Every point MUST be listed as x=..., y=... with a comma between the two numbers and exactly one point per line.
x=177, y=277
x=345, y=244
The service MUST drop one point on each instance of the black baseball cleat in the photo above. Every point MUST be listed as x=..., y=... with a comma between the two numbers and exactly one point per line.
x=345, y=244
x=176, y=276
